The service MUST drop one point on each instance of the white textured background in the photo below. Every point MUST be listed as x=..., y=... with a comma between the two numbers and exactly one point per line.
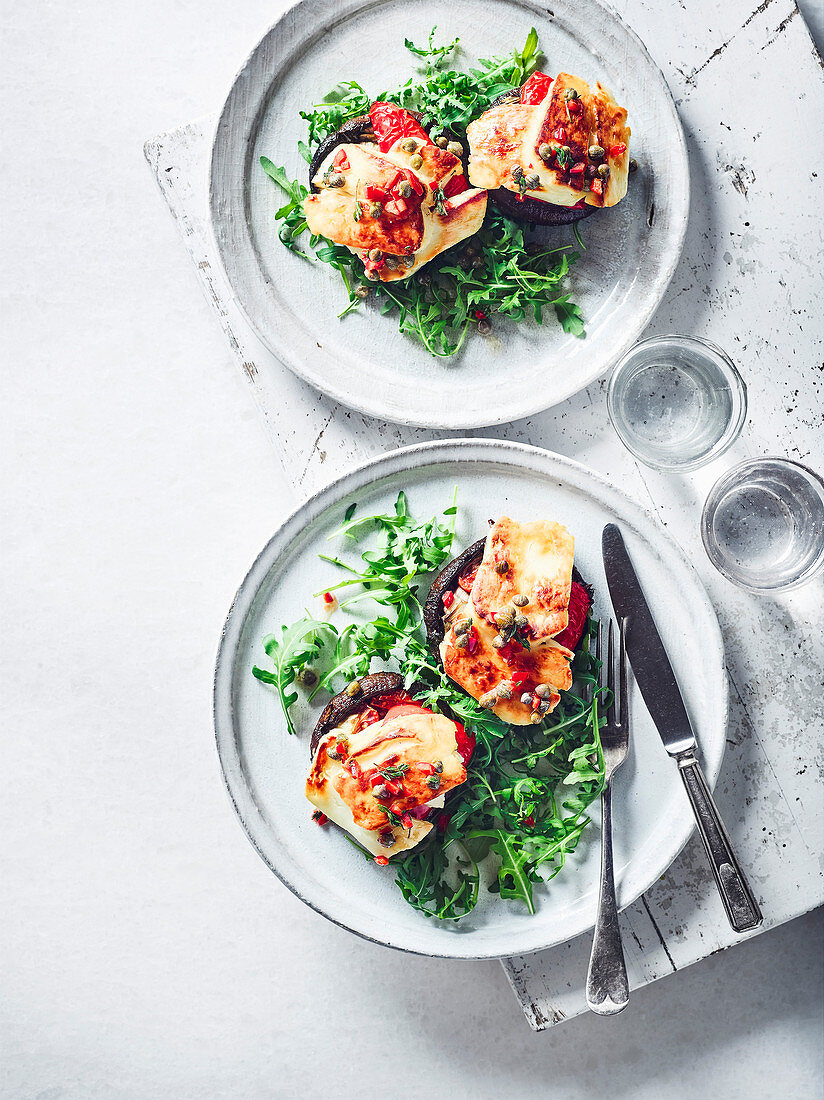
x=145, y=950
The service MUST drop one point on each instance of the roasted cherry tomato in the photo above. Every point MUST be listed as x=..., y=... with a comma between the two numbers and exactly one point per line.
x=536, y=88
x=391, y=122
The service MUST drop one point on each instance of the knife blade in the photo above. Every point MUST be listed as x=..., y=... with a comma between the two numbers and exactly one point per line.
x=650, y=664
x=664, y=701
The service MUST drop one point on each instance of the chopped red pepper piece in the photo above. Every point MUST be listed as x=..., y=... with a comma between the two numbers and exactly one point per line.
x=396, y=208
x=341, y=160
x=443, y=821
x=560, y=134
x=374, y=193
x=465, y=742
x=427, y=769
x=382, y=860
x=480, y=315
x=579, y=603
x=575, y=106
x=529, y=821
x=448, y=598
x=328, y=597
x=618, y=149
x=577, y=169
x=406, y=821
x=393, y=787
x=355, y=769
x=319, y=817
x=597, y=187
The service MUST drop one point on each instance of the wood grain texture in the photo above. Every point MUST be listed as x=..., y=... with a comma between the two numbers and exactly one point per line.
x=747, y=281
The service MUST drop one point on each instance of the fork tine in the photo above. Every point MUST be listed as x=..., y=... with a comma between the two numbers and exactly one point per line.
x=612, y=709
x=599, y=672
x=622, y=673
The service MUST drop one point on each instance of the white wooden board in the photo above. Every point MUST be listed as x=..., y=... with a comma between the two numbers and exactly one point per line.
x=748, y=281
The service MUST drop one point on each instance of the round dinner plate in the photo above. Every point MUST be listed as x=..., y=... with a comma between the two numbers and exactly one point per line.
x=362, y=360
x=265, y=767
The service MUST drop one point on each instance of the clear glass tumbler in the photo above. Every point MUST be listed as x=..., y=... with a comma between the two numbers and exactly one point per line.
x=677, y=402
x=763, y=524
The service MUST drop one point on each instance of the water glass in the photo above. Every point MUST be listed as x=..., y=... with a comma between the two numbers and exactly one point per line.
x=763, y=525
x=677, y=402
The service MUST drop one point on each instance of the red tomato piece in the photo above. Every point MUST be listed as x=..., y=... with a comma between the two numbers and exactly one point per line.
x=467, y=579
x=455, y=186
x=536, y=88
x=375, y=194
x=579, y=604
x=391, y=122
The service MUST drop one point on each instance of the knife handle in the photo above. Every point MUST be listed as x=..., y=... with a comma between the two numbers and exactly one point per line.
x=739, y=902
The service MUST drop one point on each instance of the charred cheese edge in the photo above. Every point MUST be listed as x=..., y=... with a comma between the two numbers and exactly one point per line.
x=538, y=557
x=409, y=738
x=410, y=241
x=508, y=136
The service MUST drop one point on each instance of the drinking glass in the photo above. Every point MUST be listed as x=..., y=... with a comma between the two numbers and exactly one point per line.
x=763, y=524
x=677, y=402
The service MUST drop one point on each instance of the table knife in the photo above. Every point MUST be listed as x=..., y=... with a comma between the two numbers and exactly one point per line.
x=656, y=679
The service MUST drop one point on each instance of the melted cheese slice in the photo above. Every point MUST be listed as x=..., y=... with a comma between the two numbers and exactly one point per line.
x=539, y=556
x=510, y=135
x=410, y=739
x=425, y=231
x=484, y=669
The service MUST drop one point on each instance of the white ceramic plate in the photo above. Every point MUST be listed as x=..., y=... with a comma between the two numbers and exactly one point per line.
x=362, y=360
x=265, y=767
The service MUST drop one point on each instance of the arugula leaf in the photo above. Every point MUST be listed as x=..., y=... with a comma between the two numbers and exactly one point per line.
x=296, y=647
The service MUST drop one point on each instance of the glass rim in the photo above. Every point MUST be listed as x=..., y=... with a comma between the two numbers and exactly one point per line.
x=734, y=426
x=714, y=497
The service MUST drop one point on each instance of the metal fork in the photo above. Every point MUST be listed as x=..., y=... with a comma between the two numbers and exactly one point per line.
x=607, y=986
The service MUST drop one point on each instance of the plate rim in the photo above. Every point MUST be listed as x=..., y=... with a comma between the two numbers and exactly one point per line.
x=222, y=182
x=417, y=456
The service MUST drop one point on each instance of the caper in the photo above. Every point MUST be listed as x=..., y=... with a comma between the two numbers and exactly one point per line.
x=502, y=567
x=603, y=171
x=478, y=261
x=353, y=688
x=591, y=172
x=336, y=180
x=633, y=165
x=433, y=782
x=387, y=839
x=392, y=262
x=498, y=641
x=306, y=677
x=404, y=189
x=488, y=700
x=361, y=291
x=566, y=149
x=424, y=278
x=545, y=152
x=376, y=209
x=520, y=601
x=375, y=254
x=543, y=691
x=408, y=261
x=416, y=161
x=543, y=707
x=455, y=148
x=484, y=326
x=517, y=172
x=595, y=152
x=438, y=766
x=535, y=718
x=409, y=146
x=505, y=616
x=570, y=94
x=505, y=690
x=461, y=641
x=442, y=141
x=462, y=626
x=526, y=698
x=533, y=181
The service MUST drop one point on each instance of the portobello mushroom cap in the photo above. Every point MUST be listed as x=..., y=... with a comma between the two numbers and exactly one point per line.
x=447, y=580
x=350, y=132
x=529, y=209
x=343, y=704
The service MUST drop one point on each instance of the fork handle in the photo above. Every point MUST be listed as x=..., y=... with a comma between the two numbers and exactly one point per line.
x=607, y=985
x=739, y=901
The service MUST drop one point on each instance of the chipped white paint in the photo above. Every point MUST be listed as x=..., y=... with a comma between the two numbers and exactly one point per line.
x=747, y=280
